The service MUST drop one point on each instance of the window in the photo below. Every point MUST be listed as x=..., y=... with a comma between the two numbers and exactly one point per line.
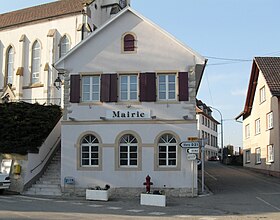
x=262, y=95
x=247, y=131
x=258, y=126
x=128, y=151
x=36, y=62
x=167, y=150
x=89, y=151
x=64, y=46
x=270, y=153
x=10, y=65
x=167, y=87
x=128, y=87
x=129, y=43
x=91, y=88
x=258, y=155
x=247, y=156
x=202, y=119
x=269, y=120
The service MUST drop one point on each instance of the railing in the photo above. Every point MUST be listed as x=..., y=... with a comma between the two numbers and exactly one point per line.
x=42, y=161
x=47, y=101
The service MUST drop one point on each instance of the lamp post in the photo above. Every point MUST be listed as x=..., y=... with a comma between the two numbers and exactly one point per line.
x=222, y=132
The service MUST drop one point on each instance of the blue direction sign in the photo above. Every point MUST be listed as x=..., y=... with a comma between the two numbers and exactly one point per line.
x=189, y=144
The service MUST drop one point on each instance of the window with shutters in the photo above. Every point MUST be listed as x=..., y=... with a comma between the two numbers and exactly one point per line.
x=91, y=88
x=64, y=46
x=166, y=86
x=129, y=43
x=35, y=62
x=128, y=87
x=10, y=66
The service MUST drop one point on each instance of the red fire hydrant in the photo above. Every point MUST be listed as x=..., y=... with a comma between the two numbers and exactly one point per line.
x=148, y=184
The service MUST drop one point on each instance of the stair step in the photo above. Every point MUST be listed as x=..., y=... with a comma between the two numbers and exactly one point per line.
x=46, y=186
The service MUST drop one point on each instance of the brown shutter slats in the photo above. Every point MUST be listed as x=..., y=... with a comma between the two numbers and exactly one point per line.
x=75, y=88
x=113, y=88
x=183, y=86
x=147, y=87
x=109, y=88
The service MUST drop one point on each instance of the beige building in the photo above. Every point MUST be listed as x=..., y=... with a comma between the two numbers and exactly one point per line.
x=261, y=117
x=32, y=39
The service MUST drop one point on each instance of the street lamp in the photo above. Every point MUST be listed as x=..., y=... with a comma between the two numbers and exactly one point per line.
x=57, y=83
x=222, y=133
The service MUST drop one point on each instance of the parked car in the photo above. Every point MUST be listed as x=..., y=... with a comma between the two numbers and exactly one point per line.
x=5, y=182
x=213, y=158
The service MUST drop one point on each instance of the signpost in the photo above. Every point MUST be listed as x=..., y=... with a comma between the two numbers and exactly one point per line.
x=191, y=157
x=192, y=150
x=189, y=144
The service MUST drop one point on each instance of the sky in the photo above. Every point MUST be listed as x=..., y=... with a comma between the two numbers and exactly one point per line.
x=228, y=33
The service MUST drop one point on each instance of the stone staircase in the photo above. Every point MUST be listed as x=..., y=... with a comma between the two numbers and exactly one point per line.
x=49, y=183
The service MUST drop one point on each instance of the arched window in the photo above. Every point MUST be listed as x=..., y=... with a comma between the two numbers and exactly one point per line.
x=128, y=150
x=64, y=46
x=167, y=150
x=89, y=151
x=10, y=65
x=36, y=62
x=129, y=42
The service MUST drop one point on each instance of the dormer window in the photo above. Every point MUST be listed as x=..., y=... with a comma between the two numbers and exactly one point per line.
x=129, y=43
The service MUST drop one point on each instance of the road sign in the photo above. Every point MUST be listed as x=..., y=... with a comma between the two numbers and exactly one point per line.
x=189, y=144
x=193, y=138
x=191, y=156
x=192, y=150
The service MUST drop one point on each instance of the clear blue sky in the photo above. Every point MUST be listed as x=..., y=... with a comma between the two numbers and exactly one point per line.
x=230, y=29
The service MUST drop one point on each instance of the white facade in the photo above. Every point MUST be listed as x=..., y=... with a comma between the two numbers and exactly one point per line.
x=101, y=55
x=207, y=128
x=47, y=33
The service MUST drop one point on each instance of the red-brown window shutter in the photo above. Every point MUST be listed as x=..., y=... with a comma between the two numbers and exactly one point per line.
x=129, y=42
x=183, y=86
x=75, y=88
x=147, y=87
x=109, y=88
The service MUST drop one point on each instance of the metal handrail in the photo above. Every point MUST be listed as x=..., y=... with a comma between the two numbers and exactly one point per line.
x=56, y=142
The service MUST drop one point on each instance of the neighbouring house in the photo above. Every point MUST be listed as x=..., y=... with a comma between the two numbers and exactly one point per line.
x=130, y=99
x=207, y=127
x=32, y=39
x=261, y=117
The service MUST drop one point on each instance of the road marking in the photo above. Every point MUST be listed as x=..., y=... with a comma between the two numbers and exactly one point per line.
x=207, y=218
x=156, y=213
x=275, y=193
x=268, y=203
x=211, y=175
x=183, y=216
x=114, y=208
x=7, y=201
x=60, y=201
x=96, y=206
x=135, y=210
x=77, y=203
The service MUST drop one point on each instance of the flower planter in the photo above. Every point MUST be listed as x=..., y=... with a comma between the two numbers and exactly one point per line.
x=152, y=199
x=99, y=195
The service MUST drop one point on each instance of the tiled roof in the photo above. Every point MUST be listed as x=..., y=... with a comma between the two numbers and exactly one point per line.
x=270, y=67
x=41, y=12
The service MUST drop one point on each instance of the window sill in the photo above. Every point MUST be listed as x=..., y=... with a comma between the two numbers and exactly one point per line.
x=167, y=102
x=90, y=168
x=90, y=103
x=36, y=85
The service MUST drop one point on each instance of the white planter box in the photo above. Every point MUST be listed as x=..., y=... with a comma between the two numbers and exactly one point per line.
x=100, y=195
x=152, y=199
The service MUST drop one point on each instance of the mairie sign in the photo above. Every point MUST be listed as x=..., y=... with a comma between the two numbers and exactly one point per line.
x=189, y=144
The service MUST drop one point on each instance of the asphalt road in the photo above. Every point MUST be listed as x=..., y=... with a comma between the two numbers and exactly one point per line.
x=236, y=193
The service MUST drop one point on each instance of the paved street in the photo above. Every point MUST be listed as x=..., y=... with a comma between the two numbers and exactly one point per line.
x=237, y=194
